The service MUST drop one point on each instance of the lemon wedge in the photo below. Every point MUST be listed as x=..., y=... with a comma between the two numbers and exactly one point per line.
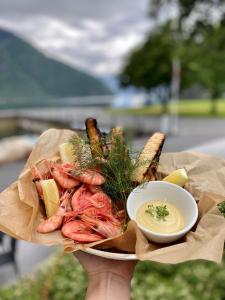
x=50, y=196
x=67, y=153
x=178, y=177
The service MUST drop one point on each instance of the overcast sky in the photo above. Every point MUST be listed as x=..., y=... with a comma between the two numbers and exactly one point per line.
x=92, y=34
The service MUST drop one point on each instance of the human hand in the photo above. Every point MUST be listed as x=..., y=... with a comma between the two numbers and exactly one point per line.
x=108, y=279
x=95, y=265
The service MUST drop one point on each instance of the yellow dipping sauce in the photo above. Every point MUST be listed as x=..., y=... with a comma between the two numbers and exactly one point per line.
x=171, y=223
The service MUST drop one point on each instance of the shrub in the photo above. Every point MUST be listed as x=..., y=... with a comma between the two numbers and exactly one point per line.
x=61, y=277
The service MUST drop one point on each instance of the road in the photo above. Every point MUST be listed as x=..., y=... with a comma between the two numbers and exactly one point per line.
x=75, y=117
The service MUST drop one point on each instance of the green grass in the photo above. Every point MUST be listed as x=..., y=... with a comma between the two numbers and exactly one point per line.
x=61, y=277
x=194, y=108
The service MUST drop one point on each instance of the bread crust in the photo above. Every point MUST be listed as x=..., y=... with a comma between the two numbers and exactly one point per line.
x=94, y=136
x=149, y=158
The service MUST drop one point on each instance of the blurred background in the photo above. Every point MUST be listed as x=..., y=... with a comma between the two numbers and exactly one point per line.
x=146, y=65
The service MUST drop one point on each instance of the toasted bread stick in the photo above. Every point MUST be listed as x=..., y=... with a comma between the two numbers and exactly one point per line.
x=94, y=136
x=149, y=158
x=118, y=136
x=117, y=133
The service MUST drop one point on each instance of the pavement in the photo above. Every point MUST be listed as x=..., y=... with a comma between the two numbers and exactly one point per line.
x=75, y=116
x=210, y=136
x=28, y=257
x=202, y=143
x=190, y=132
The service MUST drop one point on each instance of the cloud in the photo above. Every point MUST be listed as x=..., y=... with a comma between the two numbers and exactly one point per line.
x=72, y=9
x=93, y=35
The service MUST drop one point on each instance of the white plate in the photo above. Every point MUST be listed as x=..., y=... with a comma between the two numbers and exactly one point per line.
x=111, y=255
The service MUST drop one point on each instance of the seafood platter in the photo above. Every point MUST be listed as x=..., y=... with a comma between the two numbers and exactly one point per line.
x=85, y=193
x=89, y=191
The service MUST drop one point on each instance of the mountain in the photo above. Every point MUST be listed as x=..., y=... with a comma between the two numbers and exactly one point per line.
x=26, y=72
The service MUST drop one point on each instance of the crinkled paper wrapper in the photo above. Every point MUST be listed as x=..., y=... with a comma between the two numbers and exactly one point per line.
x=21, y=211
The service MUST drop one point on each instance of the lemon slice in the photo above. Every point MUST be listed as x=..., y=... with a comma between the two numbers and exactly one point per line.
x=50, y=195
x=67, y=153
x=178, y=177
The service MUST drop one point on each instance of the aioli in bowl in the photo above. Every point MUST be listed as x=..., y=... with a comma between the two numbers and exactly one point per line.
x=172, y=194
x=160, y=216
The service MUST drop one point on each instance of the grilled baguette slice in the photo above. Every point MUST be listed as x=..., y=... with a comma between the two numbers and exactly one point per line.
x=94, y=136
x=117, y=133
x=149, y=158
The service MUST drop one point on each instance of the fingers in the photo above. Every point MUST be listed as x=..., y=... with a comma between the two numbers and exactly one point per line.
x=94, y=264
x=90, y=262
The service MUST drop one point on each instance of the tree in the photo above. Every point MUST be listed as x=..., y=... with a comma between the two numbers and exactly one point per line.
x=150, y=65
x=186, y=9
x=200, y=47
x=205, y=61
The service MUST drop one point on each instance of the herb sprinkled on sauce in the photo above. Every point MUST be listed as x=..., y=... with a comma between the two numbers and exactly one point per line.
x=160, y=216
x=159, y=211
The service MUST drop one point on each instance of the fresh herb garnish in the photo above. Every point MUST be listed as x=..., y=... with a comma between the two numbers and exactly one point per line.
x=221, y=207
x=162, y=212
x=159, y=211
x=82, y=152
x=118, y=168
x=150, y=210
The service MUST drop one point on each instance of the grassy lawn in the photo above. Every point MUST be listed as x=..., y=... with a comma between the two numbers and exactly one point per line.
x=61, y=277
x=197, y=107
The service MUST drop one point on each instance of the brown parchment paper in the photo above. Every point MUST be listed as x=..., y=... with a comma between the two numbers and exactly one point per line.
x=20, y=210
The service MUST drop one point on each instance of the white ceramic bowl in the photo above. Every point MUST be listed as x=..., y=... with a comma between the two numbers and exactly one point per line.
x=174, y=194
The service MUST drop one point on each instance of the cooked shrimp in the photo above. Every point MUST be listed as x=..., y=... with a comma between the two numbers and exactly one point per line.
x=62, y=177
x=80, y=232
x=91, y=177
x=37, y=177
x=109, y=217
x=80, y=199
x=72, y=215
x=106, y=228
x=103, y=202
x=55, y=221
x=95, y=188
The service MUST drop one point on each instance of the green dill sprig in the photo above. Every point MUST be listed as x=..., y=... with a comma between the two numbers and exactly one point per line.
x=160, y=211
x=221, y=207
x=82, y=153
x=118, y=169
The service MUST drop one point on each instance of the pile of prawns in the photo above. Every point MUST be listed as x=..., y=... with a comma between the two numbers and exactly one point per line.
x=85, y=213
